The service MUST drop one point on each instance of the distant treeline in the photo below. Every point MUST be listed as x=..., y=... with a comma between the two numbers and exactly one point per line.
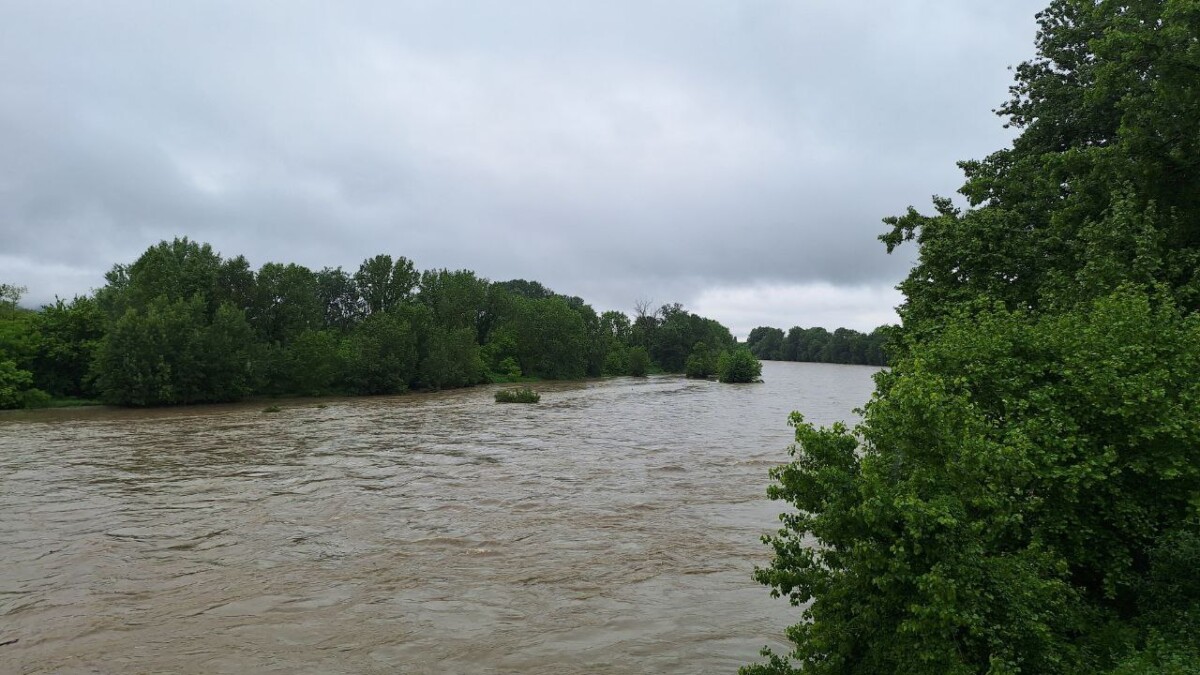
x=183, y=325
x=820, y=346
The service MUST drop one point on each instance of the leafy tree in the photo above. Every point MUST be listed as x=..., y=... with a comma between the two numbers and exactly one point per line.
x=381, y=354
x=286, y=302
x=383, y=284
x=313, y=364
x=457, y=299
x=170, y=353
x=452, y=359
x=702, y=363
x=738, y=365
x=177, y=270
x=1023, y=491
x=10, y=298
x=551, y=338
x=1102, y=175
x=339, y=296
x=530, y=290
x=19, y=338
x=235, y=284
x=69, y=334
x=766, y=343
x=995, y=508
x=14, y=382
x=638, y=360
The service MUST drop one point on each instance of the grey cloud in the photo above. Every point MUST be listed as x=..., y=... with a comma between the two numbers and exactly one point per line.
x=610, y=149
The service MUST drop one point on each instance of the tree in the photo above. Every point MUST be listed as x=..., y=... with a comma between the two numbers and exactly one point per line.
x=1023, y=491
x=451, y=358
x=738, y=365
x=702, y=363
x=10, y=297
x=638, y=361
x=312, y=364
x=551, y=338
x=997, y=505
x=339, y=297
x=170, y=353
x=383, y=284
x=14, y=382
x=69, y=334
x=177, y=270
x=286, y=302
x=381, y=355
x=766, y=343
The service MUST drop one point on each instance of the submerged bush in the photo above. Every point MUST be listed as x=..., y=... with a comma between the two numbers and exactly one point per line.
x=738, y=366
x=525, y=395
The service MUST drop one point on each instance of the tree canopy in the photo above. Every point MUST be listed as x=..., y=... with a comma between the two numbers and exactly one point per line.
x=183, y=324
x=1023, y=492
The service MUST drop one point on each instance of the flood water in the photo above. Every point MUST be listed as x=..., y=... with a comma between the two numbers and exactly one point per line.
x=611, y=528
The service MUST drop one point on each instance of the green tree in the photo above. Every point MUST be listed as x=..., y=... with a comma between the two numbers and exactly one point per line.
x=69, y=334
x=383, y=284
x=702, y=363
x=177, y=270
x=638, y=361
x=170, y=353
x=996, y=507
x=451, y=359
x=766, y=343
x=551, y=338
x=381, y=355
x=738, y=365
x=10, y=298
x=1022, y=491
x=339, y=296
x=14, y=382
x=286, y=302
x=313, y=363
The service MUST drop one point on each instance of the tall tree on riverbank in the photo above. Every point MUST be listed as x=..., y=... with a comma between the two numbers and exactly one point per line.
x=1023, y=494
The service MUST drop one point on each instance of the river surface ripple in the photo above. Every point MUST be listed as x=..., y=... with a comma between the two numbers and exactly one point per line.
x=612, y=528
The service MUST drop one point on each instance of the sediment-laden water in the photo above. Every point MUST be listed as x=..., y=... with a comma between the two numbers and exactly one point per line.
x=611, y=528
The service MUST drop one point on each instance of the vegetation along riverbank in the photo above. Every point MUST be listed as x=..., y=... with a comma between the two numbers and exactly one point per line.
x=1023, y=494
x=183, y=324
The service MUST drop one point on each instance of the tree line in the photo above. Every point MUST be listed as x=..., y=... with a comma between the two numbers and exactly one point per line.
x=818, y=345
x=1023, y=493
x=183, y=324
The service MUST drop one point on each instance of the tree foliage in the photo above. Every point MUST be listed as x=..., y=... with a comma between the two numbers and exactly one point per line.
x=818, y=345
x=1022, y=494
x=737, y=366
x=182, y=324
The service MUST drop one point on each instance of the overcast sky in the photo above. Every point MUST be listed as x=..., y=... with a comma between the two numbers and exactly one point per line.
x=736, y=157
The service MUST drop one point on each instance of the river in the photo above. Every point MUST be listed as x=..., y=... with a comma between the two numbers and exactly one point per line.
x=611, y=528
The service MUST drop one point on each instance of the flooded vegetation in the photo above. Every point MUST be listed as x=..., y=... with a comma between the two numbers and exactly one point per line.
x=612, y=528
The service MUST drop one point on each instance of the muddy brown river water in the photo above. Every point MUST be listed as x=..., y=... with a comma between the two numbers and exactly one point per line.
x=611, y=528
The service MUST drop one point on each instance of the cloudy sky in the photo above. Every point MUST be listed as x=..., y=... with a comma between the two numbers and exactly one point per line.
x=736, y=157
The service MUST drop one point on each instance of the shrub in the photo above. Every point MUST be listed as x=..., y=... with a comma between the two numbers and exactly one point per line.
x=738, y=366
x=702, y=364
x=525, y=395
x=13, y=384
x=35, y=398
